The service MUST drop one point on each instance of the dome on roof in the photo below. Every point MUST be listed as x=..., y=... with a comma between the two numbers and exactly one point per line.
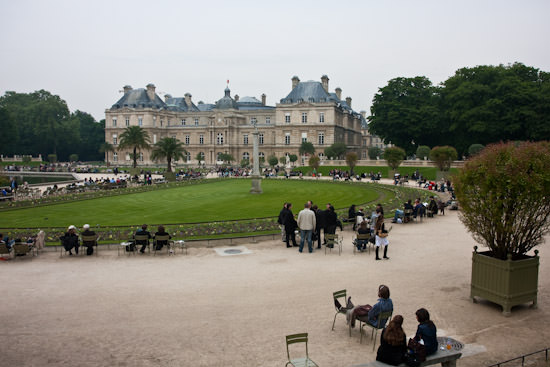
x=226, y=102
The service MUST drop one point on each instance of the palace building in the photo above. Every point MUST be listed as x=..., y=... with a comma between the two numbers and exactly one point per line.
x=310, y=112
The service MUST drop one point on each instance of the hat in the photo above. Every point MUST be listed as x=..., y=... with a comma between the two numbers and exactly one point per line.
x=71, y=227
x=86, y=226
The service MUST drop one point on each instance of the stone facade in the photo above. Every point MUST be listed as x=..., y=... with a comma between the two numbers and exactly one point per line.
x=308, y=113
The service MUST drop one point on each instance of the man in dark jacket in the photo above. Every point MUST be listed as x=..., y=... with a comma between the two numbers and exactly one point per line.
x=89, y=244
x=290, y=225
x=144, y=243
x=320, y=220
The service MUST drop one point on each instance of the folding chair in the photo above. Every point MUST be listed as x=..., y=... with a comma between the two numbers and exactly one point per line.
x=342, y=309
x=90, y=241
x=331, y=241
x=382, y=316
x=21, y=248
x=164, y=238
x=298, y=362
x=362, y=239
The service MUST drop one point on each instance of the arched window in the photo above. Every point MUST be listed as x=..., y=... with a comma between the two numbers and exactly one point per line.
x=246, y=155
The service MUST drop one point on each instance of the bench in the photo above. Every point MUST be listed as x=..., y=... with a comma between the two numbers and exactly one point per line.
x=447, y=358
x=7, y=197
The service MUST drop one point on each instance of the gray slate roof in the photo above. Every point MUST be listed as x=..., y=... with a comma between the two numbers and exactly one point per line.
x=309, y=91
x=138, y=98
x=179, y=104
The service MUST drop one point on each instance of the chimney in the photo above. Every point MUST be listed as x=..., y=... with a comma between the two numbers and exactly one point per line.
x=236, y=98
x=188, y=99
x=324, y=81
x=363, y=113
x=338, y=92
x=127, y=88
x=295, y=81
x=348, y=101
x=151, y=91
x=263, y=99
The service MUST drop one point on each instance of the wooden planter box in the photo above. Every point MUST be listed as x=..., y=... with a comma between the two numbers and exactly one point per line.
x=505, y=282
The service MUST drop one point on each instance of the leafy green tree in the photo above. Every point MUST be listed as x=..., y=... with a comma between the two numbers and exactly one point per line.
x=374, y=152
x=443, y=157
x=225, y=157
x=106, y=148
x=407, y=110
x=475, y=149
x=134, y=138
x=282, y=160
x=245, y=163
x=52, y=158
x=8, y=137
x=306, y=148
x=272, y=160
x=339, y=149
x=27, y=159
x=487, y=104
x=170, y=149
x=199, y=157
x=329, y=152
x=351, y=160
x=423, y=151
x=503, y=192
x=73, y=157
x=90, y=136
x=293, y=158
x=314, y=162
x=394, y=156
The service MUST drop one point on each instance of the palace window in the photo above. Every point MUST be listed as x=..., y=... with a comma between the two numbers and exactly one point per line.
x=246, y=156
x=304, y=137
x=115, y=141
x=196, y=122
x=261, y=139
x=140, y=121
x=187, y=139
x=127, y=121
x=115, y=156
x=253, y=120
x=287, y=118
x=201, y=139
x=219, y=139
x=245, y=139
x=304, y=117
x=321, y=138
x=183, y=122
x=114, y=121
x=268, y=120
x=287, y=138
x=321, y=117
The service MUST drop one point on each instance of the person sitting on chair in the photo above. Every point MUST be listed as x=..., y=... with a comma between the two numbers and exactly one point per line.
x=143, y=232
x=89, y=244
x=426, y=331
x=432, y=207
x=363, y=229
x=384, y=304
x=161, y=232
x=70, y=240
x=393, y=343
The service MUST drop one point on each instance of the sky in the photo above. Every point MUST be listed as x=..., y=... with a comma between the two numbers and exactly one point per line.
x=86, y=51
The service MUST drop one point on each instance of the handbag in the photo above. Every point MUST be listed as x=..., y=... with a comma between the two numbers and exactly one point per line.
x=417, y=349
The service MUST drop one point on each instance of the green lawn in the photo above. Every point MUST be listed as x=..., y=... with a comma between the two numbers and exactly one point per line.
x=215, y=201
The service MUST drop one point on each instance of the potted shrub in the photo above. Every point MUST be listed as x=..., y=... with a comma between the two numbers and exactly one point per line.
x=504, y=194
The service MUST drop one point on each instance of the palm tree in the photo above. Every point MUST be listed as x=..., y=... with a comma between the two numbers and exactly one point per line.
x=169, y=148
x=106, y=148
x=134, y=137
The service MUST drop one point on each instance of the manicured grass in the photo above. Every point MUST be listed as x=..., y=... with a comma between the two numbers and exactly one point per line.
x=214, y=201
x=427, y=172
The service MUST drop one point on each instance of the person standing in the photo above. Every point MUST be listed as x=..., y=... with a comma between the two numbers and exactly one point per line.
x=381, y=236
x=319, y=224
x=290, y=226
x=331, y=220
x=306, y=222
x=280, y=221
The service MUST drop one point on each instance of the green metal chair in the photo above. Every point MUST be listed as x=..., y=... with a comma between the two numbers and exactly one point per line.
x=361, y=237
x=333, y=241
x=4, y=250
x=298, y=362
x=382, y=316
x=141, y=239
x=21, y=248
x=90, y=241
x=163, y=238
x=342, y=310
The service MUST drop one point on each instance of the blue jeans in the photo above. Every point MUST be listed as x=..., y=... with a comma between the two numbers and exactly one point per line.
x=303, y=234
x=398, y=214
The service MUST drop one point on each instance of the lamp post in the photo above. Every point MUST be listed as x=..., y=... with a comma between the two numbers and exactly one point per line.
x=256, y=178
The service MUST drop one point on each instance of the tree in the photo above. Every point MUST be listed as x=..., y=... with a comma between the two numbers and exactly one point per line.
x=52, y=158
x=339, y=149
x=225, y=157
x=135, y=138
x=374, y=152
x=106, y=147
x=282, y=160
x=394, y=156
x=245, y=163
x=475, y=149
x=293, y=158
x=443, y=157
x=329, y=152
x=306, y=148
x=422, y=151
x=73, y=157
x=169, y=149
x=200, y=157
x=314, y=162
x=351, y=160
x=503, y=192
x=407, y=110
x=272, y=160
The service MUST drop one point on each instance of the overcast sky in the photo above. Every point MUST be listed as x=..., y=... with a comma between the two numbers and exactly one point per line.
x=86, y=51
